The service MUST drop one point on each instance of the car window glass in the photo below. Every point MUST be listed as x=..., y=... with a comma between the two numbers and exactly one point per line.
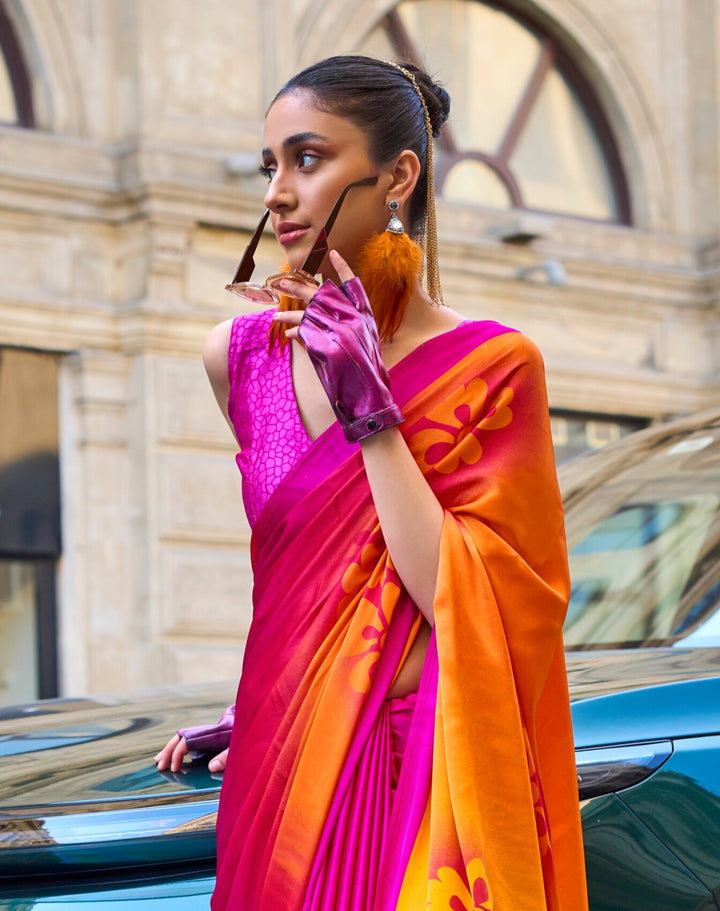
x=644, y=550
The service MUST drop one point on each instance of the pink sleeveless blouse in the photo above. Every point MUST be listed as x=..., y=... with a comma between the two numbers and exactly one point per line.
x=263, y=410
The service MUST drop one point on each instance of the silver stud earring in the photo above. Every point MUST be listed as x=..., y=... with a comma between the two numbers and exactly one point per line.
x=394, y=226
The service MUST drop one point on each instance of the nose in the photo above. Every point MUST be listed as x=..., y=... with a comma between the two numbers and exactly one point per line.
x=280, y=195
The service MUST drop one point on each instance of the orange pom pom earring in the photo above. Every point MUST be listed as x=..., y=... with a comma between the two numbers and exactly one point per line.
x=389, y=266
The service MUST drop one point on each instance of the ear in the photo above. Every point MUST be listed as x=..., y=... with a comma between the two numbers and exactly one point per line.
x=405, y=174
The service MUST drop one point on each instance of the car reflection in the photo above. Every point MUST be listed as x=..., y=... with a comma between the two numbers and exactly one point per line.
x=644, y=544
x=55, y=738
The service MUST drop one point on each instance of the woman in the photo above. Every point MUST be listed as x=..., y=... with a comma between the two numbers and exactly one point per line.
x=402, y=735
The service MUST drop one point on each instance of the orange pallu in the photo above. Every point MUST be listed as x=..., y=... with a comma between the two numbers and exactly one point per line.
x=485, y=812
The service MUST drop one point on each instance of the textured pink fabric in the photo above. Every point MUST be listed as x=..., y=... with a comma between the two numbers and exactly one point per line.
x=263, y=410
x=347, y=876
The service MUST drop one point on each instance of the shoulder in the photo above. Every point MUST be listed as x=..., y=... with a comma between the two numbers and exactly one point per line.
x=215, y=350
x=229, y=339
x=504, y=340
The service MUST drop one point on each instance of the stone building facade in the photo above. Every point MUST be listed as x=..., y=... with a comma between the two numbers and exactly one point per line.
x=128, y=188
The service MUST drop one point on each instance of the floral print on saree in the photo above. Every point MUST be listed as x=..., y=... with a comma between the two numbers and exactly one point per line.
x=485, y=814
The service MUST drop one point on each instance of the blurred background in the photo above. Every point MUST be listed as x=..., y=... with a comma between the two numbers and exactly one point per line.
x=579, y=185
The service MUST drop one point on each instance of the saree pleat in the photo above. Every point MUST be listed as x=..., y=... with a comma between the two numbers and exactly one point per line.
x=348, y=875
x=350, y=869
x=482, y=814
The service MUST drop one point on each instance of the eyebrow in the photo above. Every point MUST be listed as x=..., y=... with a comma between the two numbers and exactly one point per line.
x=297, y=139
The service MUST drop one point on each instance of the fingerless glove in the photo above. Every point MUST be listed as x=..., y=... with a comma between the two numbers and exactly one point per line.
x=207, y=738
x=339, y=332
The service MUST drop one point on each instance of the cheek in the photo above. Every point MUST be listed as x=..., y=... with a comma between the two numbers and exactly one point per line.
x=360, y=224
x=350, y=241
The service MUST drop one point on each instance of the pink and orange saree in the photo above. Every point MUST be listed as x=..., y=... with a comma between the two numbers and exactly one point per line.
x=484, y=814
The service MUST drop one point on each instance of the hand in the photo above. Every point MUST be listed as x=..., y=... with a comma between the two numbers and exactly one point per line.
x=172, y=755
x=303, y=292
x=338, y=330
x=204, y=738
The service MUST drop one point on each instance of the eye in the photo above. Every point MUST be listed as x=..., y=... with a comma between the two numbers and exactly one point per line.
x=306, y=159
x=266, y=172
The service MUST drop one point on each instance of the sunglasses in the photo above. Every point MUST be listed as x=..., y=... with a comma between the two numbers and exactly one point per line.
x=268, y=293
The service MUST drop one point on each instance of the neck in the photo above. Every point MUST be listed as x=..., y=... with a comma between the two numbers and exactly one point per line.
x=420, y=310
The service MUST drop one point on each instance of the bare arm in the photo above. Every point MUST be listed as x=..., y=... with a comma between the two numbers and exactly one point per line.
x=410, y=515
x=215, y=359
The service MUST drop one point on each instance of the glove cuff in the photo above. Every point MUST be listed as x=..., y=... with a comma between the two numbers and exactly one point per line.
x=210, y=738
x=373, y=423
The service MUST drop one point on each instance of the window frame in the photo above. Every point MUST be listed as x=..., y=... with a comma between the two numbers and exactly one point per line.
x=552, y=55
x=19, y=78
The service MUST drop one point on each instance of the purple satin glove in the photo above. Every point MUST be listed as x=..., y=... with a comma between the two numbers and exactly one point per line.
x=207, y=738
x=339, y=332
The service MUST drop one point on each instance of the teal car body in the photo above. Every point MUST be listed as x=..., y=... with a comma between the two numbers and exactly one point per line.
x=87, y=822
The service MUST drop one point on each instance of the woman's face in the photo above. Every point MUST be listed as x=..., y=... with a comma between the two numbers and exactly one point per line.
x=310, y=156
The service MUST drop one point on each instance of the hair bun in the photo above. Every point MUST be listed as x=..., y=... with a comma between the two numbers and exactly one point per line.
x=436, y=98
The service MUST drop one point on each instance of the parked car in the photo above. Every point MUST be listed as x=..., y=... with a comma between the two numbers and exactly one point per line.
x=86, y=819
x=643, y=640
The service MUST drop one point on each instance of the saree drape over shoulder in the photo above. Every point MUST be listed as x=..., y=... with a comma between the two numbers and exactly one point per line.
x=483, y=813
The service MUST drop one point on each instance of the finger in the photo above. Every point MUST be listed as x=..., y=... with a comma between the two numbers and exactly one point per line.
x=289, y=317
x=293, y=334
x=217, y=763
x=330, y=305
x=298, y=290
x=355, y=292
x=345, y=273
x=163, y=757
x=178, y=755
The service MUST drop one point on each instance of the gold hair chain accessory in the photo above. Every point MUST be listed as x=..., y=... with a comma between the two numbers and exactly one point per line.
x=431, y=243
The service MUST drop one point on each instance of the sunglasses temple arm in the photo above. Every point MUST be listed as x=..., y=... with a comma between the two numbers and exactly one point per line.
x=320, y=248
x=247, y=263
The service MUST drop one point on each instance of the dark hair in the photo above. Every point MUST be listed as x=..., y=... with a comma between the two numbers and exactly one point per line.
x=383, y=103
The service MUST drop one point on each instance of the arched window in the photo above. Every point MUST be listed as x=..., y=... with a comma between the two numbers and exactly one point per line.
x=525, y=129
x=15, y=95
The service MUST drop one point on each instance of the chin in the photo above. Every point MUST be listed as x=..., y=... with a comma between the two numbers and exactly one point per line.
x=294, y=259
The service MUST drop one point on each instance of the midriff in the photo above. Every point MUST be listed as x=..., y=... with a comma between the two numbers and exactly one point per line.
x=408, y=680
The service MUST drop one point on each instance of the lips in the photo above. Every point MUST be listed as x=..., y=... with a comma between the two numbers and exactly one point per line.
x=288, y=232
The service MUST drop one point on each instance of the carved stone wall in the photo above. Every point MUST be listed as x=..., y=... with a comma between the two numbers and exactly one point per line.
x=119, y=226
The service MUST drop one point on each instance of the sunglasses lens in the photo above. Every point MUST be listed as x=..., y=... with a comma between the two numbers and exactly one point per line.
x=256, y=294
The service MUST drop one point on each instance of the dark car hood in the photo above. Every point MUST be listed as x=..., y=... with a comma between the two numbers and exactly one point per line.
x=76, y=774
x=79, y=789
x=638, y=695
